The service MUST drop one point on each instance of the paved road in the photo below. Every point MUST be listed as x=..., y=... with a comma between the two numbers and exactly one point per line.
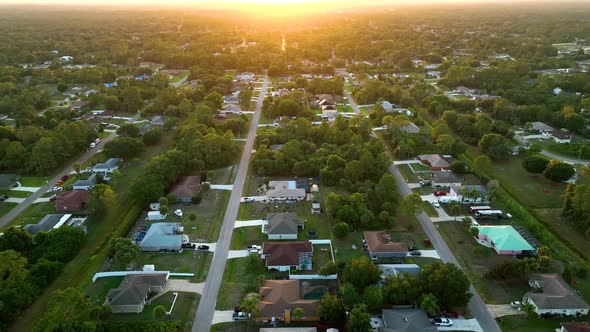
x=476, y=304
x=206, y=310
x=352, y=103
x=566, y=159
x=7, y=218
x=179, y=83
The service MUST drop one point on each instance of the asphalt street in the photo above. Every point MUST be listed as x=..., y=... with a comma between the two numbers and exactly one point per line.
x=206, y=310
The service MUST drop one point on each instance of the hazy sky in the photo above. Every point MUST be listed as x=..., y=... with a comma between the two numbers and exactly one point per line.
x=275, y=2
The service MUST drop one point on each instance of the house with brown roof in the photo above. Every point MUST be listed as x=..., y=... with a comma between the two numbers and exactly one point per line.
x=280, y=297
x=575, y=327
x=73, y=200
x=134, y=290
x=186, y=188
x=282, y=226
x=78, y=105
x=379, y=245
x=436, y=162
x=553, y=295
x=558, y=136
x=286, y=256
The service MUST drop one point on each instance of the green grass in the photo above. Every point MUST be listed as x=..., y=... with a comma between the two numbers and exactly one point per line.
x=344, y=108
x=429, y=209
x=419, y=167
x=189, y=261
x=185, y=304
x=532, y=190
x=15, y=193
x=520, y=323
x=98, y=291
x=407, y=173
x=32, y=181
x=5, y=207
x=178, y=78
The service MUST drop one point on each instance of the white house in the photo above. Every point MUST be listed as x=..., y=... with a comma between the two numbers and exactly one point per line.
x=554, y=295
x=558, y=136
x=108, y=166
x=470, y=194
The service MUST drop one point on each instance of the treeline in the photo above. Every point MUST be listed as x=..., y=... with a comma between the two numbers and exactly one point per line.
x=29, y=264
x=38, y=151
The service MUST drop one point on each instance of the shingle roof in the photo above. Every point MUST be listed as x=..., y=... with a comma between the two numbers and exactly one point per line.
x=379, y=241
x=135, y=288
x=282, y=223
x=434, y=160
x=445, y=177
x=71, y=198
x=162, y=234
x=576, y=327
x=110, y=163
x=91, y=181
x=505, y=237
x=278, y=295
x=410, y=128
x=557, y=294
x=285, y=253
x=7, y=179
x=406, y=320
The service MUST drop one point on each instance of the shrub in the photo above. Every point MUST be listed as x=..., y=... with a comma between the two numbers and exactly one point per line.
x=341, y=230
x=196, y=199
x=535, y=164
x=559, y=171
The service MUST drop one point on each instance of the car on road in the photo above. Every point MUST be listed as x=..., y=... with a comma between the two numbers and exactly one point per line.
x=203, y=247
x=240, y=316
x=92, y=145
x=516, y=304
x=3, y=198
x=436, y=204
x=442, y=321
x=416, y=253
x=440, y=193
x=56, y=188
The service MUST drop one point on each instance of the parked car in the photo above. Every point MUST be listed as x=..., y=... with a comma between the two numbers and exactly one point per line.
x=253, y=251
x=254, y=247
x=416, y=253
x=451, y=314
x=436, y=204
x=65, y=178
x=412, y=248
x=516, y=304
x=203, y=247
x=92, y=145
x=442, y=321
x=248, y=199
x=425, y=183
x=440, y=193
x=474, y=223
x=56, y=188
x=240, y=316
x=51, y=199
x=3, y=198
x=189, y=245
x=59, y=182
x=178, y=213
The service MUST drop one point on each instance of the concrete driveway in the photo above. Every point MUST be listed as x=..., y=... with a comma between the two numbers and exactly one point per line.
x=499, y=310
x=181, y=285
x=222, y=186
x=460, y=324
x=223, y=316
x=427, y=253
x=237, y=254
x=450, y=218
x=14, y=200
x=405, y=162
x=211, y=246
x=249, y=223
x=23, y=188
x=254, y=198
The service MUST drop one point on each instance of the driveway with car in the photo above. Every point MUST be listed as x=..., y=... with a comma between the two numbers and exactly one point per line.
x=461, y=324
x=426, y=253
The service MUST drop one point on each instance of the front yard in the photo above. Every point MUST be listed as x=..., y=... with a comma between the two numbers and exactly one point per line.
x=33, y=214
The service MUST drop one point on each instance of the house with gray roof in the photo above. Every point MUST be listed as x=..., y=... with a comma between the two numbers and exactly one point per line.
x=410, y=128
x=158, y=121
x=436, y=162
x=164, y=236
x=55, y=221
x=86, y=184
x=553, y=295
x=399, y=269
x=134, y=290
x=108, y=166
x=284, y=190
x=445, y=179
x=406, y=320
x=8, y=181
x=282, y=226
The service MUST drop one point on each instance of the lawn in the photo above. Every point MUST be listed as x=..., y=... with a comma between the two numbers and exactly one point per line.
x=32, y=181
x=15, y=193
x=98, y=291
x=419, y=167
x=476, y=260
x=189, y=261
x=532, y=190
x=407, y=173
x=5, y=207
x=557, y=222
x=344, y=108
x=520, y=323
x=33, y=214
x=178, y=78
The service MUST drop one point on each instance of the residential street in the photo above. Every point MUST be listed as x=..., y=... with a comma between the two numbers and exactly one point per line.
x=352, y=103
x=566, y=159
x=7, y=218
x=204, y=316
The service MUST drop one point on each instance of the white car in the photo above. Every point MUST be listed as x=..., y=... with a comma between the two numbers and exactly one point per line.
x=436, y=204
x=474, y=223
x=443, y=321
x=92, y=145
x=178, y=213
x=254, y=251
x=56, y=188
x=516, y=304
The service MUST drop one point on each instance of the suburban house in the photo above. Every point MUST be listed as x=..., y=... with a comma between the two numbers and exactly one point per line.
x=553, y=295
x=406, y=320
x=8, y=181
x=72, y=200
x=233, y=98
x=285, y=256
x=54, y=221
x=186, y=188
x=78, y=105
x=285, y=190
x=329, y=115
x=539, y=127
x=246, y=77
x=231, y=109
x=558, y=136
x=446, y=179
x=86, y=184
x=575, y=327
x=436, y=162
x=282, y=226
x=504, y=239
x=280, y=297
x=158, y=121
x=470, y=194
x=379, y=245
x=325, y=100
x=108, y=166
x=164, y=236
x=134, y=290
x=410, y=128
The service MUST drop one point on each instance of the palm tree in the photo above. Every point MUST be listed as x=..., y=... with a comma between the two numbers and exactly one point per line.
x=529, y=310
x=454, y=208
x=429, y=304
